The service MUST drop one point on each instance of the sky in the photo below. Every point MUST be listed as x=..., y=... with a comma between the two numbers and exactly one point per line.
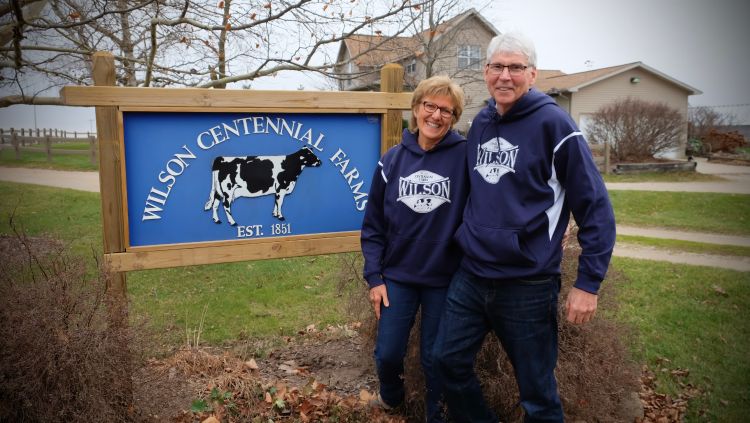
x=701, y=43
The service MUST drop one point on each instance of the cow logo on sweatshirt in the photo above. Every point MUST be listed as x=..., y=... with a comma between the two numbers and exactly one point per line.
x=424, y=191
x=495, y=158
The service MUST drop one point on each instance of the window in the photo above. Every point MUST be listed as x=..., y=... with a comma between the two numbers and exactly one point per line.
x=411, y=67
x=470, y=57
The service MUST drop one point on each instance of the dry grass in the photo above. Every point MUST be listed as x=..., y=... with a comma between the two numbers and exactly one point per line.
x=60, y=358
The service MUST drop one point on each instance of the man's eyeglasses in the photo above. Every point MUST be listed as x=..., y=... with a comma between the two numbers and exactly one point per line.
x=514, y=69
x=431, y=107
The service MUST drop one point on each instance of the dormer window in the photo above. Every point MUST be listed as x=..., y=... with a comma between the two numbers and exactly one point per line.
x=411, y=67
x=470, y=57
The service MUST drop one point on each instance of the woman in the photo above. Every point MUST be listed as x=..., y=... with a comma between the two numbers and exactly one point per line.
x=415, y=204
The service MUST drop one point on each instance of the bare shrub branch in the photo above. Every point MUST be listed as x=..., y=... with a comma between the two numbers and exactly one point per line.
x=61, y=360
x=636, y=129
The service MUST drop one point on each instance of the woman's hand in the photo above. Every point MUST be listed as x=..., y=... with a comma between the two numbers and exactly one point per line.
x=378, y=294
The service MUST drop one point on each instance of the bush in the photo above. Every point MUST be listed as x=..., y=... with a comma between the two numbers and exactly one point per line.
x=723, y=141
x=636, y=129
x=61, y=360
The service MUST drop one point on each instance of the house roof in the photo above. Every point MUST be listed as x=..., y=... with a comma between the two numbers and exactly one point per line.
x=384, y=50
x=381, y=49
x=555, y=80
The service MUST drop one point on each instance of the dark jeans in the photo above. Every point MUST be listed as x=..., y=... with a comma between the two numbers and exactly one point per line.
x=393, y=335
x=523, y=315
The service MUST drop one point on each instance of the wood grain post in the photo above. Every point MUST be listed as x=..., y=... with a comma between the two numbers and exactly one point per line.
x=111, y=187
x=109, y=171
x=48, y=148
x=392, y=81
x=14, y=143
x=607, y=164
x=92, y=149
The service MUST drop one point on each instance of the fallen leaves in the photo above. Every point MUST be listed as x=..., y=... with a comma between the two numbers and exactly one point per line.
x=663, y=408
x=719, y=290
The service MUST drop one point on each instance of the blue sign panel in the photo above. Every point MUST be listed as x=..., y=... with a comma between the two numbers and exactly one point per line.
x=196, y=177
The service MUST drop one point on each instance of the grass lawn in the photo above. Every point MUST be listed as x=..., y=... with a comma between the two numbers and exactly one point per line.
x=696, y=318
x=691, y=211
x=247, y=299
x=35, y=159
x=242, y=300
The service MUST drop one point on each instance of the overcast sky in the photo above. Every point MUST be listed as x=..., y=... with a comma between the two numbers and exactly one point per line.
x=702, y=43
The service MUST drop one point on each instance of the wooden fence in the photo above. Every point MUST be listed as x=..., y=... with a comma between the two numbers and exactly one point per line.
x=45, y=140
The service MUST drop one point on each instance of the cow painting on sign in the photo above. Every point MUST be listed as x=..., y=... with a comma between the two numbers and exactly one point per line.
x=255, y=176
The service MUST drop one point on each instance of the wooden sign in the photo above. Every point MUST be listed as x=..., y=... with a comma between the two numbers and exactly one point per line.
x=198, y=176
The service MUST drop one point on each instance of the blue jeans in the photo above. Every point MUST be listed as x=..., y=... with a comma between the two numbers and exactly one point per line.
x=393, y=335
x=523, y=315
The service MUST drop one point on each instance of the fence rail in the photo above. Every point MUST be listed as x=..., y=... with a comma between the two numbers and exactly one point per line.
x=45, y=140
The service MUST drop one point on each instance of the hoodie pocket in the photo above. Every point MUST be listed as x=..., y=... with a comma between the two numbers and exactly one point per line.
x=421, y=259
x=494, y=245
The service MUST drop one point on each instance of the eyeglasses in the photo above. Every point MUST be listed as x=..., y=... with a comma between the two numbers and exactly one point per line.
x=514, y=69
x=431, y=107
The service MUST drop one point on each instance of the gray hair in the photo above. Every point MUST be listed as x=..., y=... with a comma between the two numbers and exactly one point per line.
x=512, y=42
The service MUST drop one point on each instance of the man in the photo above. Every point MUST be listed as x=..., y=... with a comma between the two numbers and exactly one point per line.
x=530, y=167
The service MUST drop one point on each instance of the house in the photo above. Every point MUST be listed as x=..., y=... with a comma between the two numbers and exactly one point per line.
x=455, y=48
x=583, y=93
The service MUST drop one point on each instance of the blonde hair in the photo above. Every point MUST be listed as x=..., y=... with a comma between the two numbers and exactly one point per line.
x=439, y=85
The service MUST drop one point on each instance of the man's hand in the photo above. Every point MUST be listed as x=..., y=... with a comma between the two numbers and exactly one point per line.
x=580, y=306
x=378, y=295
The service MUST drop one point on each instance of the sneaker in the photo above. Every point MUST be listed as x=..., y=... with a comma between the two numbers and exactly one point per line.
x=378, y=402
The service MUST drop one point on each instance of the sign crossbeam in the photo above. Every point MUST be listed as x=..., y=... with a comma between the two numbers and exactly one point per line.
x=201, y=97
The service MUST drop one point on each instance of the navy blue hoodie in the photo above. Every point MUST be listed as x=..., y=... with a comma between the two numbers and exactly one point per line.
x=528, y=170
x=414, y=206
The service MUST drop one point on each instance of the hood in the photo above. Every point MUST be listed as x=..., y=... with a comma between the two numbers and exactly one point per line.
x=409, y=141
x=527, y=104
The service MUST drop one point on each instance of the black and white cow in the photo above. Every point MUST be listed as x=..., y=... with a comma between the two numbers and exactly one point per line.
x=254, y=176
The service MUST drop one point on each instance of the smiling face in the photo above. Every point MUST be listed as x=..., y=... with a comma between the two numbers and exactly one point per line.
x=433, y=126
x=505, y=88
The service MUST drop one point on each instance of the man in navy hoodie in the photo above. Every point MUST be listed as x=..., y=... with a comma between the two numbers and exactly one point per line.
x=529, y=169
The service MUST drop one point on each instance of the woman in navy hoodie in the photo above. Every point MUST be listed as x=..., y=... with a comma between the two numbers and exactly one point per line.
x=415, y=204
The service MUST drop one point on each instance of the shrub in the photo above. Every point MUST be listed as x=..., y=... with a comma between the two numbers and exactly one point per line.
x=61, y=360
x=636, y=129
x=723, y=141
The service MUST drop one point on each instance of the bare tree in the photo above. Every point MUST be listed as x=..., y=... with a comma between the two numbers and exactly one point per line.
x=702, y=120
x=439, y=28
x=193, y=43
x=637, y=129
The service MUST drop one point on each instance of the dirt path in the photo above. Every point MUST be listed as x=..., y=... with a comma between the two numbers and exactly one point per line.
x=82, y=181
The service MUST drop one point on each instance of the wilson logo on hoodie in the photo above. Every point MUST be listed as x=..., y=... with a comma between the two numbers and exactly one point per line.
x=424, y=191
x=495, y=158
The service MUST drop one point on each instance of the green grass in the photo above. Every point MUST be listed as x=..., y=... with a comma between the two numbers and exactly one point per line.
x=679, y=313
x=675, y=310
x=77, y=146
x=242, y=300
x=692, y=211
x=685, y=246
x=246, y=299
x=35, y=159
x=70, y=215
x=663, y=177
